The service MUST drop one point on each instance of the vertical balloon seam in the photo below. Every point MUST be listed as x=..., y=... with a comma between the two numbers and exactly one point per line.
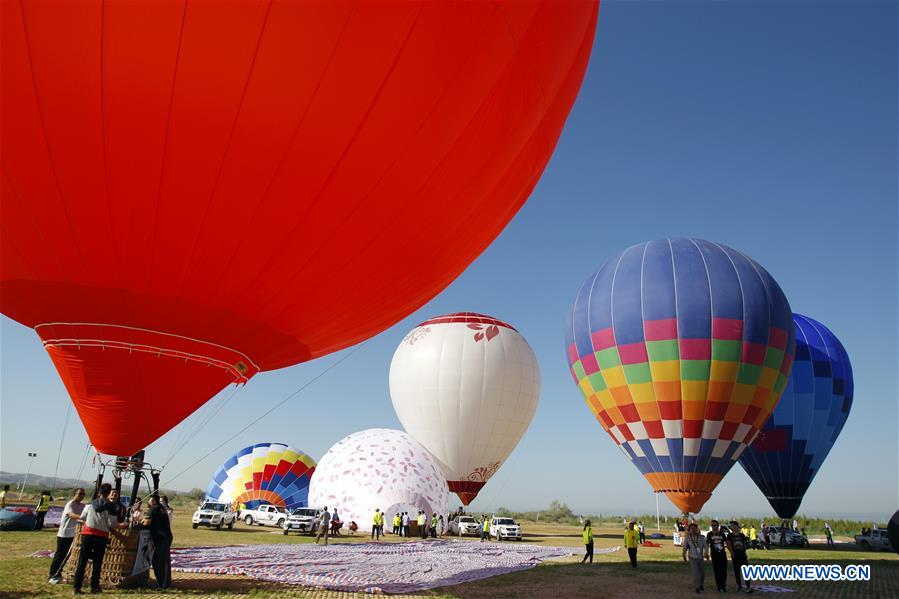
x=624, y=424
x=198, y=229
x=112, y=238
x=697, y=470
x=278, y=169
x=680, y=475
x=651, y=387
x=165, y=147
x=264, y=269
x=50, y=156
x=744, y=328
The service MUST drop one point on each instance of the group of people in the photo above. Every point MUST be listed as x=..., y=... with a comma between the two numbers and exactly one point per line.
x=99, y=518
x=715, y=546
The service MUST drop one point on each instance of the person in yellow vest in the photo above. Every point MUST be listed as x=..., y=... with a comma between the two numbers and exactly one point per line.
x=397, y=524
x=377, y=523
x=421, y=524
x=485, y=529
x=631, y=541
x=240, y=509
x=434, y=525
x=753, y=538
x=588, y=541
x=40, y=511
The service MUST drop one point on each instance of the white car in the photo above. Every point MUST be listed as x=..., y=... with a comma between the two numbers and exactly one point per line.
x=505, y=528
x=214, y=514
x=302, y=519
x=264, y=515
x=464, y=525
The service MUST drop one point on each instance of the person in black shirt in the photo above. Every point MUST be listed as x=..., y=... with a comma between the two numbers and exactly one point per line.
x=737, y=544
x=157, y=521
x=717, y=543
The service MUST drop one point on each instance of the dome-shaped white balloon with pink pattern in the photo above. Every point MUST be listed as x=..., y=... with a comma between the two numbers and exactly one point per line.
x=378, y=469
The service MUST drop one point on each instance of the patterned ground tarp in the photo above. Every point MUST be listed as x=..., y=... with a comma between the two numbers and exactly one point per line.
x=367, y=567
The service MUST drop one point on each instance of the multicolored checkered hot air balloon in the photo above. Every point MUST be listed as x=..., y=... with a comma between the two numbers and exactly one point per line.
x=265, y=473
x=791, y=447
x=681, y=348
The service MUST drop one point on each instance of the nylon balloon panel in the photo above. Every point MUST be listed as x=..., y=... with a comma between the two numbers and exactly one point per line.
x=792, y=445
x=681, y=349
x=264, y=473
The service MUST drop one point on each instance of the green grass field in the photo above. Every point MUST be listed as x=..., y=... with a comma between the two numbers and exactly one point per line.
x=661, y=572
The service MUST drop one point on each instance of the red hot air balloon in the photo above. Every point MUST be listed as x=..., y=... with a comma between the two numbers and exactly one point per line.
x=194, y=192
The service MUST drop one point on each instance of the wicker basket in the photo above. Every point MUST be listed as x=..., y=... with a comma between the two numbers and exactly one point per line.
x=121, y=567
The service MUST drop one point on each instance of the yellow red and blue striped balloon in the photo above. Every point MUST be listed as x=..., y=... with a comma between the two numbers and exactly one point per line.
x=265, y=473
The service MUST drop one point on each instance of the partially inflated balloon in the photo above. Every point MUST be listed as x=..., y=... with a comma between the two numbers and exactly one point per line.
x=466, y=387
x=681, y=348
x=193, y=192
x=791, y=447
x=265, y=473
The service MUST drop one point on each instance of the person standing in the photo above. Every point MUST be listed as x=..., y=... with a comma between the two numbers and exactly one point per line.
x=828, y=532
x=376, y=523
x=164, y=502
x=397, y=524
x=157, y=522
x=485, y=528
x=631, y=541
x=421, y=524
x=642, y=530
x=698, y=551
x=98, y=519
x=406, y=524
x=71, y=513
x=588, y=541
x=717, y=544
x=737, y=543
x=442, y=523
x=324, y=525
x=41, y=509
x=753, y=538
x=3, y=496
x=434, y=522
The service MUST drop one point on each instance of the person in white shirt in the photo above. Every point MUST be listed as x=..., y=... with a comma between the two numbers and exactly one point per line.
x=99, y=518
x=695, y=546
x=70, y=516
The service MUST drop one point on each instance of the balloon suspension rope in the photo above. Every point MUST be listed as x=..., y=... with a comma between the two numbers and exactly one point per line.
x=62, y=437
x=273, y=408
x=184, y=439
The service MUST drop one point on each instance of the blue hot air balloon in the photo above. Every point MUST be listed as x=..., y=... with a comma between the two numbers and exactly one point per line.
x=793, y=443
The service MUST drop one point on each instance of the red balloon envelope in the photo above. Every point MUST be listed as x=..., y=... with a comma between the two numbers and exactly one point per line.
x=194, y=192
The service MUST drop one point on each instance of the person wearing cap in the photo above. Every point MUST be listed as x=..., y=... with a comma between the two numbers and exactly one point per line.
x=737, y=544
x=588, y=541
x=717, y=544
x=631, y=541
x=696, y=548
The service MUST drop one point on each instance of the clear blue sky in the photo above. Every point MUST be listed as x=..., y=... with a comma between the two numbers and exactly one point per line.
x=767, y=126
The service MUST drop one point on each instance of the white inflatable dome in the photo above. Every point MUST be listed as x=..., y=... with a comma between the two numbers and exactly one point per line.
x=378, y=468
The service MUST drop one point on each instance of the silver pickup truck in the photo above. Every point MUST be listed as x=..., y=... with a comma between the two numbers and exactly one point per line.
x=874, y=539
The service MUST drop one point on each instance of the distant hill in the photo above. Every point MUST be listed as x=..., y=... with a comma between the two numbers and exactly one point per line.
x=38, y=480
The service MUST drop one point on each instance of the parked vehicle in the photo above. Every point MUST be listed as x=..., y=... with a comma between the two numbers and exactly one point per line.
x=264, y=515
x=874, y=539
x=214, y=514
x=303, y=519
x=504, y=528
x=464, y=525
x=791, y=537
